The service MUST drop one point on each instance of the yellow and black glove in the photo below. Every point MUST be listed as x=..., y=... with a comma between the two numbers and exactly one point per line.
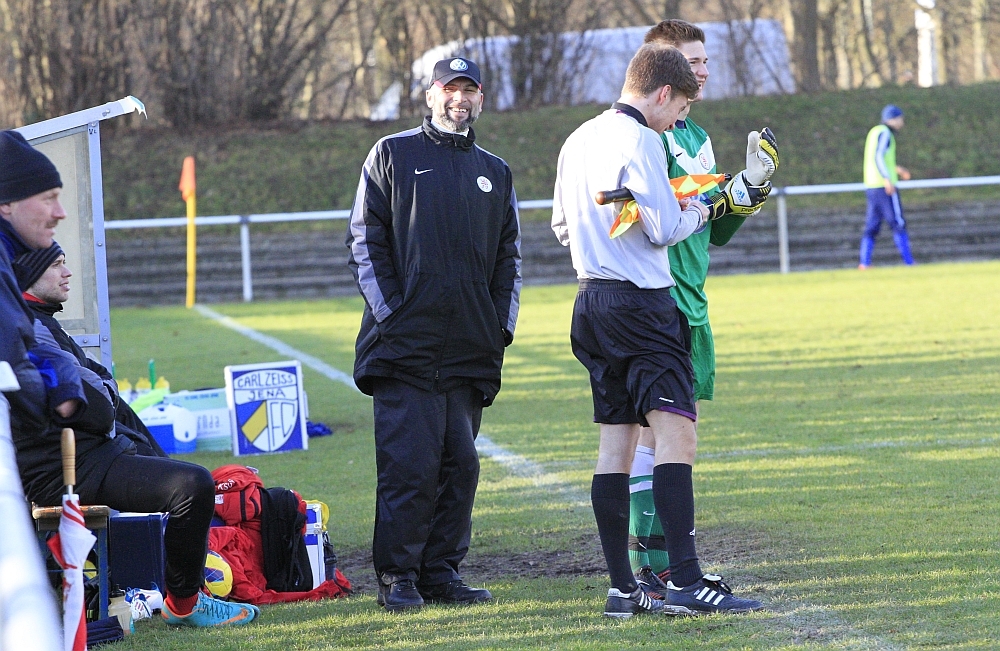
x=739, y=198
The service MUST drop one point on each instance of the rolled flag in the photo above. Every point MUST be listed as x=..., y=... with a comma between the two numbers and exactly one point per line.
x=70, y=548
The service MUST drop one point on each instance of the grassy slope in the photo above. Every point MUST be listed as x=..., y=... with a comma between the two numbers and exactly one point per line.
x=949, y=132
x=847, y=472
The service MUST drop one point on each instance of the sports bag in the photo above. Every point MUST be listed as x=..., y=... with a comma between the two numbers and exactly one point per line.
x=282, y=525
x=237, y=494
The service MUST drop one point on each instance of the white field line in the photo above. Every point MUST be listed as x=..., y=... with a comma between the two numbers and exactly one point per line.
x=315, y=364
x=811, y=622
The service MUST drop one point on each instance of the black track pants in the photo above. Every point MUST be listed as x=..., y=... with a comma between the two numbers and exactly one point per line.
x=428, y=470
x=184, y=490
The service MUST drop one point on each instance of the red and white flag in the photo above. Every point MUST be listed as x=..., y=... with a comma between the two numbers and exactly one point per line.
x=70, y=547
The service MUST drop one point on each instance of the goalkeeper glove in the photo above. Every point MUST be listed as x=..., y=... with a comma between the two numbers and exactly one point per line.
x=739, y=198
x=762, y=156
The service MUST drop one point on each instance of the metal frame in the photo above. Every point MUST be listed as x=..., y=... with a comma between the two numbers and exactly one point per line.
x=72, y=124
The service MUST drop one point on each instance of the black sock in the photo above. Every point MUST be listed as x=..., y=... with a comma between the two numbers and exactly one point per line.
x=673, y=495
x=610, y=499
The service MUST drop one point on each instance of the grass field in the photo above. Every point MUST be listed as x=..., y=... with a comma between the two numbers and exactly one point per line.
x=848, y=471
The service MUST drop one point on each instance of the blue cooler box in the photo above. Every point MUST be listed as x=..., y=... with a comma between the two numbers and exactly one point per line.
x=137, y=557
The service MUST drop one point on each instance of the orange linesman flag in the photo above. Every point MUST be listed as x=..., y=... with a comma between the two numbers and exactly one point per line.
x=628, y=216
x=694, y=184
x=684, y=187
x=187, y=185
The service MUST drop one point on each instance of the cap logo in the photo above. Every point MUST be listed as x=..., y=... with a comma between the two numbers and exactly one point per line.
x=458, y=65
x=484, y=184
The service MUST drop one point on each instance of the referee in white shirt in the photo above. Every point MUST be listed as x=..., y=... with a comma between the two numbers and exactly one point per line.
x=627, y=329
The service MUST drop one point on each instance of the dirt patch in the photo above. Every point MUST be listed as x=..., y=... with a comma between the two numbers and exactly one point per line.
x=585, y=559
x=723, y=547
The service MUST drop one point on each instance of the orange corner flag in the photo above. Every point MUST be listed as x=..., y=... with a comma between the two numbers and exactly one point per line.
x=187, y=186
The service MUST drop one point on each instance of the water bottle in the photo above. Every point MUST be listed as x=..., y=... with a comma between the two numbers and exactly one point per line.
x=118, y=608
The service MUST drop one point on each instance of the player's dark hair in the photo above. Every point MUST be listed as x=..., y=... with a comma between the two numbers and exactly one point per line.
x=655, y=66
x=674, y=32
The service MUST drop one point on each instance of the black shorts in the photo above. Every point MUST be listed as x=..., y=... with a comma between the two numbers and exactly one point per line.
x=636, y=345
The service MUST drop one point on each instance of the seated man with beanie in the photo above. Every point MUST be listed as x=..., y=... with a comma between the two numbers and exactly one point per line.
x=50, y=398
x=43, y=278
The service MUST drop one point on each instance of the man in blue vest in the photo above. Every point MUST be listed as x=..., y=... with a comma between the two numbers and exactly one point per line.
x=881, y=178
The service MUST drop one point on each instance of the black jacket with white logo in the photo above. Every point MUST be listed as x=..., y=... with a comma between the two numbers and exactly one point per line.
x=435, y=250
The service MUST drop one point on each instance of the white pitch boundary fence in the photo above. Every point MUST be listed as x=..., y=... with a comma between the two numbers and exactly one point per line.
x=779, y=193
x=28, y=617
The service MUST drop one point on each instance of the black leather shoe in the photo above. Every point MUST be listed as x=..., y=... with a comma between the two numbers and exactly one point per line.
x=397, y=593
x=454, y=592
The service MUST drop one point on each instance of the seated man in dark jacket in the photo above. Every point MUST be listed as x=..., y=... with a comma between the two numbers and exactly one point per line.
x=52, y=397
x=43, y=277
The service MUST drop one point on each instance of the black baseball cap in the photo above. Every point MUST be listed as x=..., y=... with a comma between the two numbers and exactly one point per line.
x=447, y=69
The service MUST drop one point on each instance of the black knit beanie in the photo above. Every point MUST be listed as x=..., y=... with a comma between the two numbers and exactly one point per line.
x=24, y=171
x=29, y=267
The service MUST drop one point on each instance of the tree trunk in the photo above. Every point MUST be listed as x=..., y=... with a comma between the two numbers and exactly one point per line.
x=805, y=15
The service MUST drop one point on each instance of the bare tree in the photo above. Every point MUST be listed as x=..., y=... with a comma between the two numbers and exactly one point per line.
x=279, y=38
x=548, y=49
x=64, y=56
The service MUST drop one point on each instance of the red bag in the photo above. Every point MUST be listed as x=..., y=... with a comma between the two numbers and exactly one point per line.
x=237, y=494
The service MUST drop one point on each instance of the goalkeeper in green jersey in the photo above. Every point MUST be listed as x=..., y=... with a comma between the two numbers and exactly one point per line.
x=689, y=151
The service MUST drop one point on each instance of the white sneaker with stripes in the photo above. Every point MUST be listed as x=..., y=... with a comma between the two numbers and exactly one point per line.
x=622, y=605
x=709, y=595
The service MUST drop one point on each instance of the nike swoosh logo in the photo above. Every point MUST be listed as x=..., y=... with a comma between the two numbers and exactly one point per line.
x=423, y=171
x=647, y=513
x=666, y=399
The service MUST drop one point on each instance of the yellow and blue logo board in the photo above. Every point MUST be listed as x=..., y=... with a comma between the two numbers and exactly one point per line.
x=268, y=407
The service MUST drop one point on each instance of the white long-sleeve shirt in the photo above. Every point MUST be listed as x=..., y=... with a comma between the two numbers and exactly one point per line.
x=607, y=152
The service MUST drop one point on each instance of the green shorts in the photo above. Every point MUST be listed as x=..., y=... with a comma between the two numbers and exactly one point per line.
x=703, y=361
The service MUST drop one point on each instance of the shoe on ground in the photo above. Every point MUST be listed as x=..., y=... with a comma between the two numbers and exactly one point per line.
x=209, y=612
x=454, y=592
x=398, y=593
x=650, y=582
x=862, y=267
x=710, y=595
x=622, y=605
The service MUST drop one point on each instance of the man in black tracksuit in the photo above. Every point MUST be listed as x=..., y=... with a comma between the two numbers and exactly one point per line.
x=434, y=241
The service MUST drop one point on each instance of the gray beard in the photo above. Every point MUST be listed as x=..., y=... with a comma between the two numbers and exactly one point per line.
x=457, y=127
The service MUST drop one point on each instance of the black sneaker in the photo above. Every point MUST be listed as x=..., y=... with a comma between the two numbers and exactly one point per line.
x=650, y=582
x=454, y=592
x=622, y=605
x=397, y=593
x=710, y=595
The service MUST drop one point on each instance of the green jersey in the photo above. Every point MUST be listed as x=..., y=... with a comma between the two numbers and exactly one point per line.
x=689, y=151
